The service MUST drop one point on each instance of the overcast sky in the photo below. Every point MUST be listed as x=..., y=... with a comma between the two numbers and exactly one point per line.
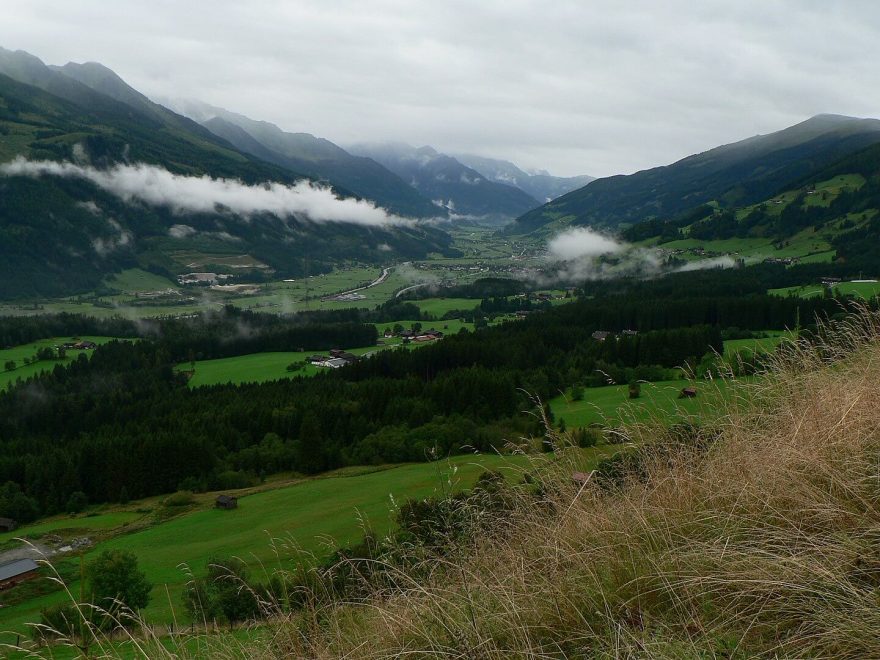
x=573, y=87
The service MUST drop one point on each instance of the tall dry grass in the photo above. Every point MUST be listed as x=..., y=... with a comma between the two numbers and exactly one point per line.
x=763, y=542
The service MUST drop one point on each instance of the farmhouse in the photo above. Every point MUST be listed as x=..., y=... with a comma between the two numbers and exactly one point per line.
x=15, y=572
x=601, y=335
x=349, y=358
x=7, y=524
x=333, y=363
x=226, y=502
x=688, y=393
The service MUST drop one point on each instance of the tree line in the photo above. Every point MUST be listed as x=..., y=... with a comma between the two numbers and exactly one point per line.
x=125, y=425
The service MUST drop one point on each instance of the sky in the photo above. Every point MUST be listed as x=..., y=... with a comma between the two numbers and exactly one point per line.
x=573, y=87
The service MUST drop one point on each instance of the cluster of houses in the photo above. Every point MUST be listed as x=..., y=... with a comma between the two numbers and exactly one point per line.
x=79, y=346
x=189, y=279
x=420, y=336
x=337, y=358
x=787, y=261
x=602, y=335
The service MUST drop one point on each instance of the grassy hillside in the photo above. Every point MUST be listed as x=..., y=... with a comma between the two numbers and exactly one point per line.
x=831, y=217
x=18, y=354
x=753, y=536
x=270, y=528
x=733, y=175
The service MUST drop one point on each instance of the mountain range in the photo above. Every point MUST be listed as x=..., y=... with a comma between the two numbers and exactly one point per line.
x=448, y=183
x=541, y=185
x=736, y=174
x=64, y=230
x=63, y=234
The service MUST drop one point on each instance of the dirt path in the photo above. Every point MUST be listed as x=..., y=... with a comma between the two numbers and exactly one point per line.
x=30, y=550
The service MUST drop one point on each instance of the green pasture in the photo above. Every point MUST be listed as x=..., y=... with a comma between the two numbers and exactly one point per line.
x=865, y=290
x=438, y=307
x=136, y=280
x=807, y=245
x=658, y=401
x=268, y=527
x=23, y=371
x=761, y=344
x=257, y=367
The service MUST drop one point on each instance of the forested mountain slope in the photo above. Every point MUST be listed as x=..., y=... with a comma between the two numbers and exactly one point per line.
x=64, y=234
x=736, y=174
x=836, y=209
x=317, y=157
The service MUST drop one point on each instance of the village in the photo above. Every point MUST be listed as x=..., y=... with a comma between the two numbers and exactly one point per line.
x=338, y=358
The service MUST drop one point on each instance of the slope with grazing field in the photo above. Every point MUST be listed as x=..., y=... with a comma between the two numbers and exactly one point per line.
x=314, y=515
x=865, y=289
x=611, y=405
x=256, y=367
x=18, y=354
x=754, y=535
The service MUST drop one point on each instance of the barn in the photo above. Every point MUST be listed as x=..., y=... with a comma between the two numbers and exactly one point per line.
x=15, y=572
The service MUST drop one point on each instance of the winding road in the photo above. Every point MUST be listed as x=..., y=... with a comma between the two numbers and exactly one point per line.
x=384, y=276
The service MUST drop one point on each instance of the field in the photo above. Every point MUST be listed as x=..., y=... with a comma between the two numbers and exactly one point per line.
x=314, y=515
x=438, y=307
x=765, y=344
x=865, y=290
x=612, y=406
x=17, y=354
x=136, y=280
x=805, y=246
x=257, y=367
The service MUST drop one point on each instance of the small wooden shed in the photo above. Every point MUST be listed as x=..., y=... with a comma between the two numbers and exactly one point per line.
x=226, y=502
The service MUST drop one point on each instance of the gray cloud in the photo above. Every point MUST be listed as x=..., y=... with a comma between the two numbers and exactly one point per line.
x=581, y=254
x=192, y=194
x=598, y=87
x=581, y=242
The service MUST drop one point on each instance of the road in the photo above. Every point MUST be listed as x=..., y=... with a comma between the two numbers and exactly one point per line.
x=384, y=276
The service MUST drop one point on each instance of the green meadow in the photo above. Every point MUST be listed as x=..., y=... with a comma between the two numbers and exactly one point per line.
x=865, y=290
x=438, y=307
x=24, y=371
x=658, y=401
x=263, y=367
x=612, y=406
x=268, y=529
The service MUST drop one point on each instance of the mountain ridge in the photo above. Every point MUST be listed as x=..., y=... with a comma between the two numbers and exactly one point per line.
x=449, y=183
x=543, y=186
x=733, y=174
x=318, y=157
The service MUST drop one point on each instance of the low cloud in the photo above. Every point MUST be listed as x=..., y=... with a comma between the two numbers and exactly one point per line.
x=181, y=231
x=704, y=264
x=204, y=194
x=581, y=254
x=581, y=242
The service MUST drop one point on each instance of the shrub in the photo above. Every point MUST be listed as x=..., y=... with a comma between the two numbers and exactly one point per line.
x=180, y=498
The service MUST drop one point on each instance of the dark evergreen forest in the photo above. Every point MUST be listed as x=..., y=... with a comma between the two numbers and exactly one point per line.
x=124, y=424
